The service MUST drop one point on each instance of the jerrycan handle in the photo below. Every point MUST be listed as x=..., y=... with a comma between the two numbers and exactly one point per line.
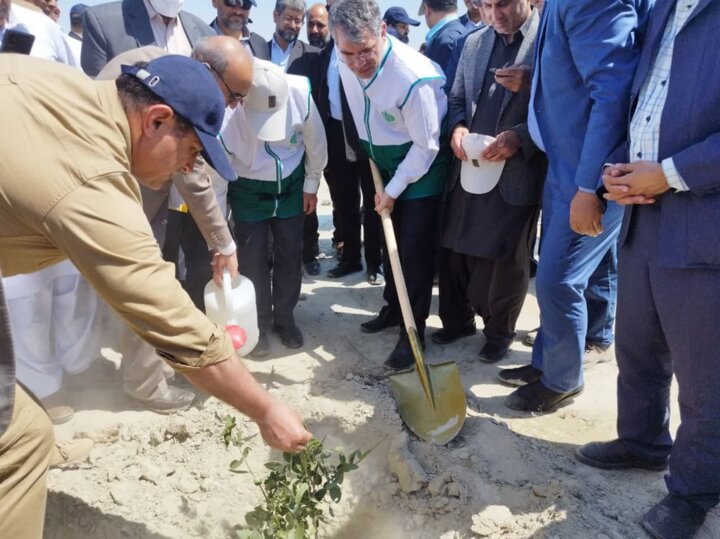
x=227, y=296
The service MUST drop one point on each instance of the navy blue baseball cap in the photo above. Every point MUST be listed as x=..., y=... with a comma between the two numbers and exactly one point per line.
x=77, y=11
x=188, y=87
x=396, y=15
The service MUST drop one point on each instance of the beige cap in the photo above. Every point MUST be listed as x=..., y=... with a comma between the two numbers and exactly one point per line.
x=478, y=176
x=266, y=104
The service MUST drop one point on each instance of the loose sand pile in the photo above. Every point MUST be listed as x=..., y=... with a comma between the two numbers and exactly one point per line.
x=506, y=475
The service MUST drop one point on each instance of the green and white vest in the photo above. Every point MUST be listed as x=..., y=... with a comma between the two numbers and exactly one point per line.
x=388, y=129
x=271, y=175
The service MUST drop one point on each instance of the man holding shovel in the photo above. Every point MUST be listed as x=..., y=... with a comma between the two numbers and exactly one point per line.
x=396, y=98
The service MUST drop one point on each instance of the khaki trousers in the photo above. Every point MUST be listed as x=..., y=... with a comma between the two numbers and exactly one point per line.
x=24, y=458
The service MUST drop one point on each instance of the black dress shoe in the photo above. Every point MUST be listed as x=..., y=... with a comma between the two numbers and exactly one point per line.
x=520, y=376
x=262, y=348
x=290, y=336
x=492, y=353
x=385, y=319
x=343, y=269
x=674, y=517
x=312, y=267
x=450, y=335
x=401, y=357
x=617, y=455
x=536, y=397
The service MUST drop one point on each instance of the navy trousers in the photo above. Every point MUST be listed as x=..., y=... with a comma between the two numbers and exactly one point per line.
x=667, y=323
x=567, y=264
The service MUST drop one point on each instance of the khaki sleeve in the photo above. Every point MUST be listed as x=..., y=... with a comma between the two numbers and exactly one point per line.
x=197, y=191
x=102, y=229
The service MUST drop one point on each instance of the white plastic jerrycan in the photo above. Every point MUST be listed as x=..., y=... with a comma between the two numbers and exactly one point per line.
x=234, y=304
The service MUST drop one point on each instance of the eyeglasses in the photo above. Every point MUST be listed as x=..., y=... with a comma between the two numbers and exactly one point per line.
x=234, y=96
x=363, y=55
x=245, y=4
x=297, y=21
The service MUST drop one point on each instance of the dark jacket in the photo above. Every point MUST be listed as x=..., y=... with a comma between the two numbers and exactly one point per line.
x=323, y=104
x=258, y=45
x=522, y=179
x=690, y=134
x=439, y=50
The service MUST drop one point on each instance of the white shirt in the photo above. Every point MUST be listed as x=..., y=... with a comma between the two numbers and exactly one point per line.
x=75, y=48
x=333, y=81
x=645, y=123
x=171, y=37
x=49, y=42
x=470, y=25
x=278, y=56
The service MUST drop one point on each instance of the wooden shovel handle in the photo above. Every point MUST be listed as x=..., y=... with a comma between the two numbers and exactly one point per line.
x=391, y=245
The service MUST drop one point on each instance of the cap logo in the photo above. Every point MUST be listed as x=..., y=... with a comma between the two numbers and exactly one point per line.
x=272, y=101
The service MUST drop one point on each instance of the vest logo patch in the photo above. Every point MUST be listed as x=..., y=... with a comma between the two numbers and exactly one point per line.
x=388, y=117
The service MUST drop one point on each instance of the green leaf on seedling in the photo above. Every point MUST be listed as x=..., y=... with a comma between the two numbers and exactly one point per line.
x=294, y=489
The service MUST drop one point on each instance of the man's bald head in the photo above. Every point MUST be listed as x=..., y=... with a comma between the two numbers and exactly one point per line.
x=318, y=30
x=230, y=62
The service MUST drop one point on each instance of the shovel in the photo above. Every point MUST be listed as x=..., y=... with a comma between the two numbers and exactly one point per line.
x=430, y=398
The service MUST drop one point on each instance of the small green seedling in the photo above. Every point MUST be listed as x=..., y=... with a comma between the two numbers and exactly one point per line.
x=295, y=488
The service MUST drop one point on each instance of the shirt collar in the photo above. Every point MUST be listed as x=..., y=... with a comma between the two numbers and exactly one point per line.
x=438, y=26
x=289, y=47
x=152, y=13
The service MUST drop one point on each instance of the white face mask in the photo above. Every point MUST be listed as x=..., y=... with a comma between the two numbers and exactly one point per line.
x=167, y=8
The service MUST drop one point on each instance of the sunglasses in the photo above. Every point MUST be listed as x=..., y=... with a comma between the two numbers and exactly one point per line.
x=234, y=96
x=245, y=4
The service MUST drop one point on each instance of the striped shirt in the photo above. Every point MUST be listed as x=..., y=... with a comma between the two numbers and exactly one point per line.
x=645, y=124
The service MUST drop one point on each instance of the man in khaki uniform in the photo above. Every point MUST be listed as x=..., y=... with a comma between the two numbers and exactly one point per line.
x=82, y=201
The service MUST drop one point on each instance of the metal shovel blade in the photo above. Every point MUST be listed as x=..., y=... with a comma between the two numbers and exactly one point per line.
x=438, y=425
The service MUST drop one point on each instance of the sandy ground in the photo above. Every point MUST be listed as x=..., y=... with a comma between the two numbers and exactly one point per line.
x=506, y=475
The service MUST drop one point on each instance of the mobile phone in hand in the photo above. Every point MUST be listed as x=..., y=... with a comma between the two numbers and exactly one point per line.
x=17, y=42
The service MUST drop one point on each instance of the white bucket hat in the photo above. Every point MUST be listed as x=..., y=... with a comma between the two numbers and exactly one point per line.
x=478, y=176
x=266, y=104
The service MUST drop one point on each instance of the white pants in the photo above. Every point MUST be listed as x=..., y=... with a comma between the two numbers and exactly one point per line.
x=55, y=316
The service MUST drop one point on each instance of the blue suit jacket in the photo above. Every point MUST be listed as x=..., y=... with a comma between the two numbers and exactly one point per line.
x=441, y=47
x=586, y=54
x=690, y=134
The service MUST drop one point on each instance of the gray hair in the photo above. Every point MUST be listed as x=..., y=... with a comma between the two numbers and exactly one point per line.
x=355, y=17
x=204, y=51
x=297, y=5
